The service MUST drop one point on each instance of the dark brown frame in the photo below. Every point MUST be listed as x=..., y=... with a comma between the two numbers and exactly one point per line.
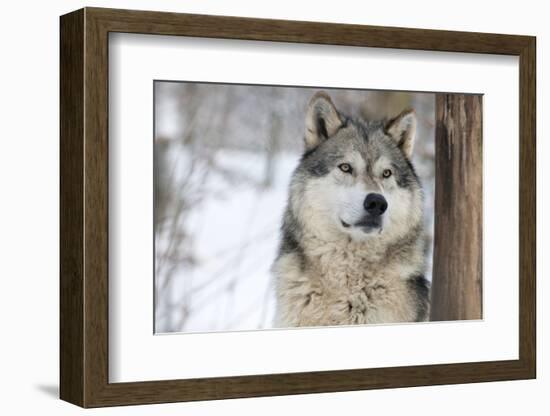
x=84, y=207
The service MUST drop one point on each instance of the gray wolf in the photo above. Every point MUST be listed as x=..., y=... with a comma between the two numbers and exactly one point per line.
x=352, y=245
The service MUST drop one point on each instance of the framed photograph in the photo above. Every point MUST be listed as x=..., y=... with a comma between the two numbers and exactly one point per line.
x=257, y=207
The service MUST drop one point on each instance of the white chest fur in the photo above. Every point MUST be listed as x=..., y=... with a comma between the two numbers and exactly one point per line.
x=343, y=284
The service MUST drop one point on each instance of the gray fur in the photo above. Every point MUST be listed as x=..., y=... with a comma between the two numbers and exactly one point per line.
x=331, y=269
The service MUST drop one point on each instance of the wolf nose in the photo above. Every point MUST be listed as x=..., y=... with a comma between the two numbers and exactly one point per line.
x=375, y=204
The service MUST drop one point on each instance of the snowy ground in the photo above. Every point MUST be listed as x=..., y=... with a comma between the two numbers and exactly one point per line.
x=235, y=238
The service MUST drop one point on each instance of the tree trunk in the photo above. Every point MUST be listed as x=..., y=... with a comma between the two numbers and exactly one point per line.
x=457, y=263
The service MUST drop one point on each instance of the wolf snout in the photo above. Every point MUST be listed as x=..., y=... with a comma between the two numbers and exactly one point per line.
x=375, y=204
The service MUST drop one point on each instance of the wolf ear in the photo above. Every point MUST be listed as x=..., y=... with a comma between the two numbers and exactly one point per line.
x=403, y=130
x=322, y=120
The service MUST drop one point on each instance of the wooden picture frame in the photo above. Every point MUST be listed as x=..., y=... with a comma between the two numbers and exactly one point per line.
x=84, y=207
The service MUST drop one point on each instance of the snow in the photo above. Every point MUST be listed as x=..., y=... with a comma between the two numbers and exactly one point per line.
x=236, y=236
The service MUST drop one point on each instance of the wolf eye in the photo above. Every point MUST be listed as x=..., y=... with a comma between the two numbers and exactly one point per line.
x=345, y=167
x=387, y=173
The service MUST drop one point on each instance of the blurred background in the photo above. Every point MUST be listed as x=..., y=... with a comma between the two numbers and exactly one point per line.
x=224, y=155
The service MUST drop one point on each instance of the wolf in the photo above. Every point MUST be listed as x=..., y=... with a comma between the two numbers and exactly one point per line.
x=352, y=240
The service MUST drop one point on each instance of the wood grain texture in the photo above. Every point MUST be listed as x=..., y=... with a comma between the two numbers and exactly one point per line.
x=457, y=271
x=71, y=217
x=96, y=208
x=84, y=207
x=528, y=209
x=227, y=27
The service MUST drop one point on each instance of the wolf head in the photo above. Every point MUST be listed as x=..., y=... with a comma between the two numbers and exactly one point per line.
x=355, y=178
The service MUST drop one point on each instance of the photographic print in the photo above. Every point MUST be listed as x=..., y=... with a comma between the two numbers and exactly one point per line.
x=285, y=206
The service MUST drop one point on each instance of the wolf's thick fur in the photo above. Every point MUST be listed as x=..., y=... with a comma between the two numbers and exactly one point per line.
x=343, y=260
